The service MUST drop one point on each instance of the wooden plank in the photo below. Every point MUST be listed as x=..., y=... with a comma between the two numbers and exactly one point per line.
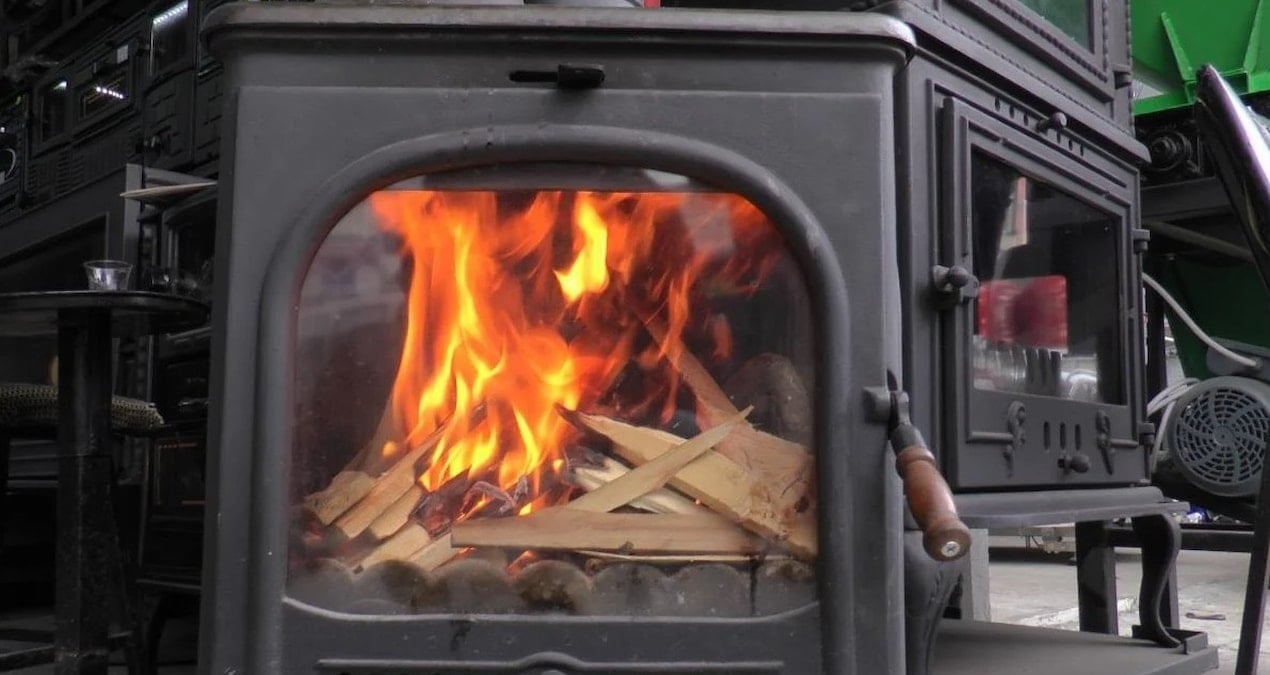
x=564, y=528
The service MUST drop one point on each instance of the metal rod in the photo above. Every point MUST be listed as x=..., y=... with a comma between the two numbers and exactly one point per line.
x=82, y=597
x=1211, y=244
x=1255, y=593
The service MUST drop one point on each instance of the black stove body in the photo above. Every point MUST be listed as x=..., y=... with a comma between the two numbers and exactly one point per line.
x=336, y=112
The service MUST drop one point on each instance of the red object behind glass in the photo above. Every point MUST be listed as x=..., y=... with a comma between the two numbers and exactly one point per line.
x=1029, y=312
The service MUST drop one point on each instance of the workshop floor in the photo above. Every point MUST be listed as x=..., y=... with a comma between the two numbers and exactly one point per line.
x=1039, y=589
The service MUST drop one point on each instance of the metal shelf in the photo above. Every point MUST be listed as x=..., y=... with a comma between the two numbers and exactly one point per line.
x=977, y=648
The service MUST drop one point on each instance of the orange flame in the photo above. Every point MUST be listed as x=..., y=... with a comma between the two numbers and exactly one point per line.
x=525, y=301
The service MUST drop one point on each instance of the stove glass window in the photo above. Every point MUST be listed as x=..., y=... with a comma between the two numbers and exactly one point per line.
x=1069, y=16
x=506, y=383
x=1048, y=312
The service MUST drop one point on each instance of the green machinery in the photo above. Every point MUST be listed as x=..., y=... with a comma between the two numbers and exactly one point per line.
x=1198, y=254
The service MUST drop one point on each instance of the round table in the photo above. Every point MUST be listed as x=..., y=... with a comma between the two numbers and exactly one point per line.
x=85, y=323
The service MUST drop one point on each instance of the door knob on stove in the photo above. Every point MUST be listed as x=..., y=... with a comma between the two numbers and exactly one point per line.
x=1078, y=462
x=955, y=285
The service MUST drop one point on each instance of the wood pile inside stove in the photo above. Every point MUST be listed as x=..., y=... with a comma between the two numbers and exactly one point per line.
x=722, y=523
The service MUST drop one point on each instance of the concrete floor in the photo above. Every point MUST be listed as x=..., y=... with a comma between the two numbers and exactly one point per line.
x=1039, y=589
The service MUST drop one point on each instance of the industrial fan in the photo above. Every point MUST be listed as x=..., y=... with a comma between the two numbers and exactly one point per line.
x=1216, y=435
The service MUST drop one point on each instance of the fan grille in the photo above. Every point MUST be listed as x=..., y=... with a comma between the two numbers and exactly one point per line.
x=1220, y=438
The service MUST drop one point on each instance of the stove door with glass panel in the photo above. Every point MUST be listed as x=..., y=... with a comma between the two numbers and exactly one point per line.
x=540, y=340
x=1038, y=358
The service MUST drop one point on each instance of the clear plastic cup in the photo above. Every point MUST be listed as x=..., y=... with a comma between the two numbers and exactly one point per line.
x=107, y=275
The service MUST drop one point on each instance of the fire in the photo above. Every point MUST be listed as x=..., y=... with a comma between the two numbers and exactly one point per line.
x=522, y=301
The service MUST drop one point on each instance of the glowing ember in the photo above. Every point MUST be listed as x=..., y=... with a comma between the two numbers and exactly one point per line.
x=524, y=301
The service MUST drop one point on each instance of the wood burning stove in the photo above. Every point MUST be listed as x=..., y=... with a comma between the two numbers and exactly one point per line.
x=487, y=276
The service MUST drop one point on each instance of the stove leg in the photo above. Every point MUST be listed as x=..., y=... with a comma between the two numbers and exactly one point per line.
x=1096, y=579
x=83, y=543
x=1160, y=538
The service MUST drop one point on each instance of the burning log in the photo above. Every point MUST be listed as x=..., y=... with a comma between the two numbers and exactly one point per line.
x=552, y=584
x=440, y=507
x=345, y=490
x=569, y=529
x=773, y=510
x=401, y=546
x=388, y=488
x=661, y=500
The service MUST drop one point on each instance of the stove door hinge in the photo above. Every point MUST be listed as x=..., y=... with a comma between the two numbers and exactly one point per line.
x=1102, y=424
x=1146, y=434
x=1141, y=239
x=1015, y=420
x=1121, y=75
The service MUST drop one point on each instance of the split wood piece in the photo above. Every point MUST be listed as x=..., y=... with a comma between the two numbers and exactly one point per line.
x=780, y=462
x=656, y=471
x=397, y=515
x=402, y=545
x=661, y=500
x=388, y=488
x=436, y=553
x=773, y=511
x=569, y=529
x=345, y=490
x=629, y=486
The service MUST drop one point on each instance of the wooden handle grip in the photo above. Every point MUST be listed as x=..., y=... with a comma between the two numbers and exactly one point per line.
x=944, y=536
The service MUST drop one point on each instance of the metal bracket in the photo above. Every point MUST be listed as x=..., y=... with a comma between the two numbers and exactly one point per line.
x=953, y=285
x=1141, y=239
x=877, y=403
x=1015, y=419
x=1102, y=423
x=1146, y=434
